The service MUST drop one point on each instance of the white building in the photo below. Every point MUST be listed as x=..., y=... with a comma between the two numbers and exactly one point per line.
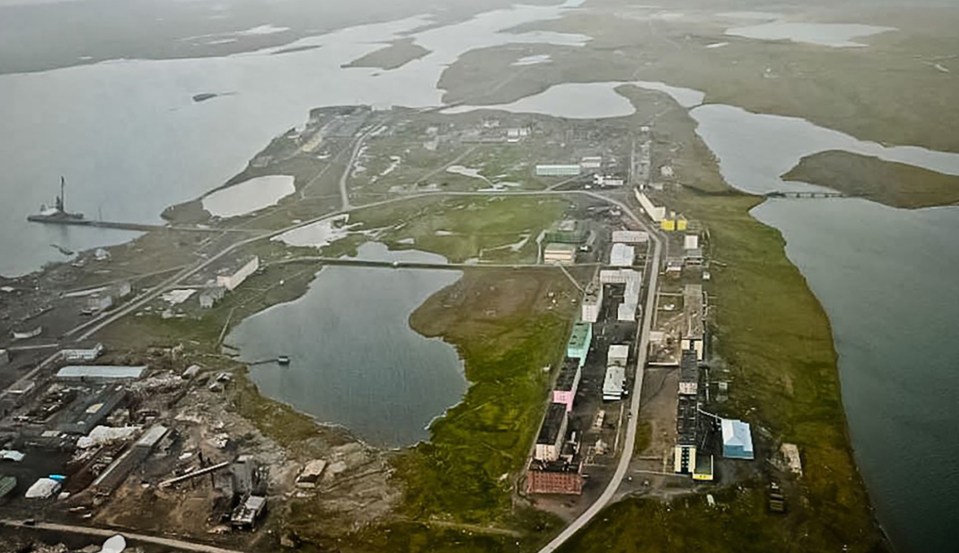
x=82, y=354
x=619, y=276
x=655, y=213
x=232, y=280
x=558, y=170
x=630, y=236
x=618, y=354
x=591, y=162
x=614, y=385
x=210, y=296
x=592, y=302
x=564, y=254
x=607, y=180
x=690, y=241
x=622, y=255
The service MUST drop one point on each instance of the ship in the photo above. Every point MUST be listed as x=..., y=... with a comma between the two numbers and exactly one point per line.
x=58, y=213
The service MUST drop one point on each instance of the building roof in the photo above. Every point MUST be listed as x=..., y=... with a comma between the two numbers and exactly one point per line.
x=580, y=336
x=567, y=375
x=689, y=366
x=552, y=424
x=630, y=236
x=619, y=351
x=693, y=309
x=560, y=247
x=615, y=381
x=102, y=372
x=736, y=434
x=687, y=417
x=622, y=255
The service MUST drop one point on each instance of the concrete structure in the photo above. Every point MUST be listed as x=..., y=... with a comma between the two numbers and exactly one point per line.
x=248, y=512
x=567, y=383
x=694, y=329
x=614, y=384
x=552, y=434
x=690, y=241
x=618, y=354
x=233, y=278
x=619, y=276
x=626, y=312
x=655, y=213
x=737, y=439
x=7, y=485
x=559, y=253
x=89, y=353
x=689, y=373
x=592, y=302
x=622, y=255
x=210, y=296
x=548, y=170
x=577, y=346
x=310, y=476
x=687, y=426
x=549, y=479
x=101, y=373
x=630, y=236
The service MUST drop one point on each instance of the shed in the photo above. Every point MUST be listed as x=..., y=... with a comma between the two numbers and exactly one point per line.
x=737, y=439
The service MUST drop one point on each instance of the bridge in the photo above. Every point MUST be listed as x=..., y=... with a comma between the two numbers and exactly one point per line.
x=805, y=195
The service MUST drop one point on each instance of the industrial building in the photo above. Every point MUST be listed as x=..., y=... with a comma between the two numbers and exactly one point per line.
x=630, y=236
x=674, y=223
x=622, y=255
x=607, y=181
x=567, y=383
x=737, y=439
x=553, y=170
x=614, y=385
x=567, y=232
x=117, y=472
x=88, y=353
x=560, y=253
x=592, y=302
x=210, y=296
x=619, y=276
x=549, y=442
x=655, y=213
x=689, y=373
x=694, y=330
x=618, y=354
x=577, y=346
x=248, y=512
x=687, y=423
x=690, y=241
x=591, y=162
x=232, y=278
x=101, y=373
x=89, y=409
x=554, y=478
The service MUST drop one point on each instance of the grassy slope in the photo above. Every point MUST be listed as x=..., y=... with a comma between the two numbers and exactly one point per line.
x=893, y=184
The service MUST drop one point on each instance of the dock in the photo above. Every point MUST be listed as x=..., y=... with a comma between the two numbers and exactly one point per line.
x=139, y=227
x=806, y=195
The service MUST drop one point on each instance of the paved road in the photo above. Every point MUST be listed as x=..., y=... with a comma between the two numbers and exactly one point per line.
x=607, y=495
x=104, y=533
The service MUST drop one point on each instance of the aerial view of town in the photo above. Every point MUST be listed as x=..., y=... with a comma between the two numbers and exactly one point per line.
x=479, y=276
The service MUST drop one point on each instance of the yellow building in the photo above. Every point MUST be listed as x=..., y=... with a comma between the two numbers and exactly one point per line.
x=674, y=224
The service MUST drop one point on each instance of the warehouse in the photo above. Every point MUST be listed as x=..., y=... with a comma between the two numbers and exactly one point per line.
x=560, y=253
x=232, y=278
x=210, y=296
x=737, y=439
x=614, y=385
x=117, y=472
x=567, y=383
x=579, y=340
x=552, y=434
x=101, y=373
x=89, y=353
x=548, y=170
x=622, y=255
x=592, y=302
x=630, y=236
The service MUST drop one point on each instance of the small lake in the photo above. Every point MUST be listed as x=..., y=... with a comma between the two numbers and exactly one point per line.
x=248, y=196
x=355, y=359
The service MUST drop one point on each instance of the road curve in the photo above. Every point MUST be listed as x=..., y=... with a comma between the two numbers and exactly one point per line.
x=630, y=442
x=104, y=533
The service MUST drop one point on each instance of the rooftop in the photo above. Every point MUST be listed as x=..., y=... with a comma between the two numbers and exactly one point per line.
x=102, y=372
x=687, y=416
x=615, y=381
x=567, y=374
x=580, y=335
x=689, y=366
x=552, y=424
x=736, y=433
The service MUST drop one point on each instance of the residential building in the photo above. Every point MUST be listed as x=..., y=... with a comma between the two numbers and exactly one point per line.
x=567, y=383
x=694, y=331
x=614, y=385
x=689, y=373
x=549, y=442
x=618, y=354
x=687, y=425
x=592, y=302
x=655, y=213
x=557, y=253
x=630, y=236
x=579, y=341
x=567, y=232
x=622, y=255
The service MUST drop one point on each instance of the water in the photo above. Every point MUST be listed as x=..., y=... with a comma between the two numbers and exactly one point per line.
x=248, y=196
x=355, y=360
x=131, y=141
x=886, y=278
x=836, y=35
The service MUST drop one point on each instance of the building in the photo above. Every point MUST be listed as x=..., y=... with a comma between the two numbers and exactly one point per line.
x=592, y=302
x=704, y=470
x=310, y=477
x=674, y=223
x=655, y=213
x=89, y=353
x=567, y=232
x=687, y=424
x=567, y=383
x=121, y=290
x=690, y=241
x=607, y=180
x=579, y=340
x=689, y=373
x=119, y=469
x=88, y=410
x=4, y=357
x=790, y=453
x=97, y=303
x=630, y=236
x=21, y=387
x=618, y=354
x=554, y=478
x=7, y=485
x=622, y=255
x=619, y=276
x=614, y=385
x=101, y=373
x=248, y=512
x=549, y=443
x=26, y=334
x=589, y=163
x=552, y=170
x=231, y=279
x=737, y=439
x=558, y=253
x=626, y=312
x=694, y=331
x=693, y=257
x=210, y=296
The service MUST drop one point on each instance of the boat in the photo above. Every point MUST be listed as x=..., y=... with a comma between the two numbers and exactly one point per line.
x=283, y=359
x=58, y=213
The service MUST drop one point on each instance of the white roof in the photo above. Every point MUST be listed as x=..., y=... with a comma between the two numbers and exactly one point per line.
x=619, y=351
x=691, y=242
x=43, y=488
x=622, y=255
x=630, y=236
x=11, y=455
x=101, y=371
x=114, y=544
x=736, y=433
x=615, y=380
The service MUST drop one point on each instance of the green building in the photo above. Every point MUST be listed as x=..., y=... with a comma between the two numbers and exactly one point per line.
x=578, y=345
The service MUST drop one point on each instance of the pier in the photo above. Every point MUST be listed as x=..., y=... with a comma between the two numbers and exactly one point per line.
x=805, y=195
x=140, y=227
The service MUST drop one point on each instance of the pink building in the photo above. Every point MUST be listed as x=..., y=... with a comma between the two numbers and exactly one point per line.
x=567, y=383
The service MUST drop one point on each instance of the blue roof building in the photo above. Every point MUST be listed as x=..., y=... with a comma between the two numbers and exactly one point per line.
x=737, y=440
